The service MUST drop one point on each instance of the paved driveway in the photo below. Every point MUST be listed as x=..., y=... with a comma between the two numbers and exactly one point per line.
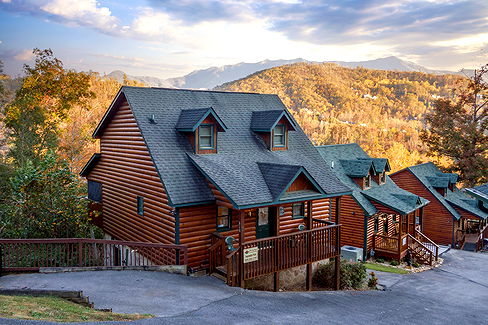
x=456, y=293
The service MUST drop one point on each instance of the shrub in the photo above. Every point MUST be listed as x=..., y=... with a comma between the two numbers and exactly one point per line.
x=373, y=280
x=380, y=260
x=353, y=275
x=415, y=264
x=394, y=263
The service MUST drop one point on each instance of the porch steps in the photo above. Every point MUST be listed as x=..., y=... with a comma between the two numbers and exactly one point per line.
x=420, y=254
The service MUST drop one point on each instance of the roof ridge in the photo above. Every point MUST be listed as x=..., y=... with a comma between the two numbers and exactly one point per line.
x=337, y=145
x=202, y=90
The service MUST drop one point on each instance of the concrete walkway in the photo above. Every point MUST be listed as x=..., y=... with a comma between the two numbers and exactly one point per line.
x=456, y=293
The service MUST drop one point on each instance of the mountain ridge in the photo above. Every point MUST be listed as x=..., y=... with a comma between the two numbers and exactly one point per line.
x=212, y=77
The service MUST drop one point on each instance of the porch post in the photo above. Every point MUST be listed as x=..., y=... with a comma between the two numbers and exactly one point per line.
x=338, y=244
x=309, y=248
x=276, y=286
x=242, y=217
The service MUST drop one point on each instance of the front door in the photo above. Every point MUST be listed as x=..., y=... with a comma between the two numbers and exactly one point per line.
x=264, y=222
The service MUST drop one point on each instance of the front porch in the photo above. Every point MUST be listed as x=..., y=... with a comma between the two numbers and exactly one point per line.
x=240, y=260
x=471, y=235
x=407, y=236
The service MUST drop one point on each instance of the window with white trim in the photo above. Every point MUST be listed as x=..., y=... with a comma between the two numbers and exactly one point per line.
x=206, y=136
x=279, y=136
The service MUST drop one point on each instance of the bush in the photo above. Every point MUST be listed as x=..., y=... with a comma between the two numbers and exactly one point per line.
x=380, y=260
x=394, y=263
x=373, y=280
x=353, y=275
x=415, y=264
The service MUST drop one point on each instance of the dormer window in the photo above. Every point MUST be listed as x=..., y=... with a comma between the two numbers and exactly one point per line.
x=367, y=182
x=273, y=127
x=201, y=127
x=279, y=136
x=206, y=138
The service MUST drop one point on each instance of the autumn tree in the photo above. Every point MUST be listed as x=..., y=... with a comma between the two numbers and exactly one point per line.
x=41, y=104
x=458, y=129
x=42, y=195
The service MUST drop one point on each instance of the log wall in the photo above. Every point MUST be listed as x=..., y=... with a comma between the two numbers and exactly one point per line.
x=126, y=171
x=437, y=220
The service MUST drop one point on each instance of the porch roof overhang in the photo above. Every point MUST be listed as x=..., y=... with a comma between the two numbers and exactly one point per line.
x=277, y=184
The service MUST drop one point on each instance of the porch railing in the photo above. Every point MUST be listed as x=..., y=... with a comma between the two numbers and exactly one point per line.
x=386, y=243
x=279, y=253
x=32, y=254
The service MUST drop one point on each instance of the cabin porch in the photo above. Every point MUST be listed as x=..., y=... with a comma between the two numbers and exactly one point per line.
x=471, y=233
x=407, y=236
x=239, y=259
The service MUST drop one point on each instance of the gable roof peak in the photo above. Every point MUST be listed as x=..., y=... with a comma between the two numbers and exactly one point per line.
x=265, y=121
x=190, y=119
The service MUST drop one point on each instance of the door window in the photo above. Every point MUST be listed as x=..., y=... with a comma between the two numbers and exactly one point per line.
x=263, y=216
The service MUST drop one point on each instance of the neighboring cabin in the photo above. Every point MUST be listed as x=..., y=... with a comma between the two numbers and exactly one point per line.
x=452, y=217
x=193, y=167
x=378, y=215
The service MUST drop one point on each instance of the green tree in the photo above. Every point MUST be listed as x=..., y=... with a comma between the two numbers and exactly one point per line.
x=458, y=129
x=46, y=200
x=42, y=103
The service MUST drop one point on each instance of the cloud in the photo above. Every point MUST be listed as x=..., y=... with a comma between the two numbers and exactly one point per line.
x=25, y=55
x=88, y=13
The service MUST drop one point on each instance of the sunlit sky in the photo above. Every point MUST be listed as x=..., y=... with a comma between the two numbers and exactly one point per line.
x=171, y=38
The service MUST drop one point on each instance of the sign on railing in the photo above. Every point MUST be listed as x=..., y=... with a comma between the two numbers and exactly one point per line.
x=251, y=254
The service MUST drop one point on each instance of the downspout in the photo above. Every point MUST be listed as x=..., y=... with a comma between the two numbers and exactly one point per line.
x=365, y=238
x=176, y=214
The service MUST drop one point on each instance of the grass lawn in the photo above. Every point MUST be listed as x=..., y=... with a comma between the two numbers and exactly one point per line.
x=384, y=268
x=56, y=309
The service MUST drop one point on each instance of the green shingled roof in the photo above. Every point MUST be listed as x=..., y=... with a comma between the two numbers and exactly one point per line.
x=357, y=167
x=346, y=160
x=428, y=174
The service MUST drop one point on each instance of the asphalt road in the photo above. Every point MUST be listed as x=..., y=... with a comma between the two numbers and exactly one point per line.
x=455, y=293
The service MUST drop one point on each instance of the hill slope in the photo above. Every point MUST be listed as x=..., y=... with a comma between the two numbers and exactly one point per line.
x=381, y=110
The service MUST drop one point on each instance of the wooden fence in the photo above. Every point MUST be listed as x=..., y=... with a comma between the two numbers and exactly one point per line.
x=32, y=254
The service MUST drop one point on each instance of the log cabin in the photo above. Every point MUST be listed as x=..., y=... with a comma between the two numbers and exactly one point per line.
x=229, y=175
x=378, y=216
x=452, y=217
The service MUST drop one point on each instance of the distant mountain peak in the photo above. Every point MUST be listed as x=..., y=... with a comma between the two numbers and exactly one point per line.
x=214, y=76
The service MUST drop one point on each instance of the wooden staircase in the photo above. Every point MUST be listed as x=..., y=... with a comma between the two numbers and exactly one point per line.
x=422, y=248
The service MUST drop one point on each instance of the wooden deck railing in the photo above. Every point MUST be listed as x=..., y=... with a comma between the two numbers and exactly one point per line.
x=427, y=242
x=217, y=252
x=286, y=251
x=32, y=254
x=386, y=243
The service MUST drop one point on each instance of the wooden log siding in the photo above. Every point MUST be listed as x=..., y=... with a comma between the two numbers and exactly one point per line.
x=437, y=220
x=352, y=221
x=126, y=171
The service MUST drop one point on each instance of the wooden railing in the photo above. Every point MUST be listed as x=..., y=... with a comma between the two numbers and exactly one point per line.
x=286, y=251
x=419, y=250
x=317, y=223
x=234, y=267
x=32, y=254
x=217, y=252
x=427, y=242
x=386, y=243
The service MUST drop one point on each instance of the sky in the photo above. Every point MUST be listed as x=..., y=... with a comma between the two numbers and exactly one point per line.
x=172, y=38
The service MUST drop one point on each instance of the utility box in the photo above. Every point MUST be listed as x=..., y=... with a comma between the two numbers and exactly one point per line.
x=351, y=253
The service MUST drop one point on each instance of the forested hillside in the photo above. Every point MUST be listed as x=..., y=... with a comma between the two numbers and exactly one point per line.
x=381, y=110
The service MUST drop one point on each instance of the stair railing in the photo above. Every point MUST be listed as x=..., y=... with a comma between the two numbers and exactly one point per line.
x=419, y=250
x=427, y=242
